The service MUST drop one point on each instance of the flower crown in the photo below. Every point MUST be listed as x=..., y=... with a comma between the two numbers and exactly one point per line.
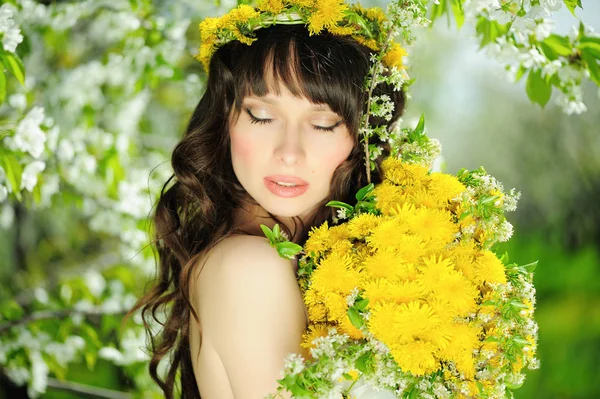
x=368, y=26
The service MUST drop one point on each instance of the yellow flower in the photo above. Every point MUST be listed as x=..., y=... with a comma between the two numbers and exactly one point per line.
x=272, y=6
x=413, y=321
x=206, y=52
x=379, y=323
x=370, y=43
x=402, y=173
x=327, y=14
x=362, y=225
x=314, y=306
x=208, y=29
x=385, y=291
x=335, y=274
x=489, y=268
x=342, y=247
x=242, y=14
x=389, y=233
x=423, y=198
x=341, y=30
x=314, y=331
x=339, y=232
x=346, y=327
x=445, y=187
x=433, y=270
x=464, y=339
x=395, y=56
x=435, y=225
x=388, y=197
x=385, y=263
x=337, y=307
x=463, y=258
x=416, y=357
x=411, y=248
x=458, y=292
x=301, y=3
x=354, y=374
x=319, y=240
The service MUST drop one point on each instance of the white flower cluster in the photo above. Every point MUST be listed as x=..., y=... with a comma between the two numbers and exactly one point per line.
x=531, y=20
x=34, y=345
x=9, y=30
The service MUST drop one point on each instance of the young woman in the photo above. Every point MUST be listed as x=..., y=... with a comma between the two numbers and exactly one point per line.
x=273, y=139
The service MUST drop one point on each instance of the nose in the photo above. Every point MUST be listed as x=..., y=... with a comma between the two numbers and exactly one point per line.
x=290, y=148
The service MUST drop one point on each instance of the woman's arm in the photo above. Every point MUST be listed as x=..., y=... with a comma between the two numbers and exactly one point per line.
x=251, y=312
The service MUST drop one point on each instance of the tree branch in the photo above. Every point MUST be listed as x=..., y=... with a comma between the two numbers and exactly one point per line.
x=53, y=314
x=87, y=390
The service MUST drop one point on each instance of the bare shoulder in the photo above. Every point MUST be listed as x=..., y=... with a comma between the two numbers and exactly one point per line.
x=251, y=312
x=240, y=257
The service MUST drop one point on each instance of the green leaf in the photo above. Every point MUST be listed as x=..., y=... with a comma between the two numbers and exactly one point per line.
x=361, y=304
x=572, y=4
x=420, y=126
x=268, y=233
x=355, y=317
x=340, y=204
x=14, y=172
x=2, y=86
x=11, y=310
x=364, y=362
x=593, y=67
x=13, y=63
x=560, y=45
x=489, y=30
x=590, y=45
x=538, y=89
x=277, y=231
x=288, y=249
x=530, y=267
x=90, y=359
x=458, y=12
x=360, y=195
x=437, y=10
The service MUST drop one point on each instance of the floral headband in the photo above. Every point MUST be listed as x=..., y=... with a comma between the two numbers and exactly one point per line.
x=367, y=26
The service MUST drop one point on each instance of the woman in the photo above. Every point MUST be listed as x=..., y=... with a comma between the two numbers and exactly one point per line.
x=273, y=139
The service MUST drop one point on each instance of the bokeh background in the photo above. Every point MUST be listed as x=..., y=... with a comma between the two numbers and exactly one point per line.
x=480, y=118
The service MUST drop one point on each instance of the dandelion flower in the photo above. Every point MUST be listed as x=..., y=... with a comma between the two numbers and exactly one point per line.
x=314, y=331
x=489, y=268
x=434, y=224
x=395, y=56
x=335, y=274
x=416, y=357
x=445, y=187
x=272, y=6
x=458, y=292
x=319, y=240
x=363, y=224
x=327, y=14
x=384, y=263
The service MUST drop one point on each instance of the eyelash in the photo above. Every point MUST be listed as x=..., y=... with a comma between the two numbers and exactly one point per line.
x=254, y=119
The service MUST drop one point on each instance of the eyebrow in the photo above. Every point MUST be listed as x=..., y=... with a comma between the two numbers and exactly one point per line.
x=314, y=107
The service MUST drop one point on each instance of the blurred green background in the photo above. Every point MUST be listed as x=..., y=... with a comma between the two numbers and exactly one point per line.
x=480, y=119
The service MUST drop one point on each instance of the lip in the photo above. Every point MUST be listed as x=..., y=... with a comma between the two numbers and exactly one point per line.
x=286, y=192
x=287, y=179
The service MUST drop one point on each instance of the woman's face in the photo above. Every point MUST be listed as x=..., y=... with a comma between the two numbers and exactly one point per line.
x=284, y=150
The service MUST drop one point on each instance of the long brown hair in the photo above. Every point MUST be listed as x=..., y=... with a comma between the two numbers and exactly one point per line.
x=196, y=204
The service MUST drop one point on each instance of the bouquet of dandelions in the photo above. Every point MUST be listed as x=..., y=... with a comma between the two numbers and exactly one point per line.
x=405, y=294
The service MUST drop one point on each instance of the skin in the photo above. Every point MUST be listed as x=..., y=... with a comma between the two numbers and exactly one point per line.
x=283, y=135
x=248, y=300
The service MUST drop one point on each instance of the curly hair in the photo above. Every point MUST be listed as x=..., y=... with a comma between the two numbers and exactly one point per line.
x=196, y=205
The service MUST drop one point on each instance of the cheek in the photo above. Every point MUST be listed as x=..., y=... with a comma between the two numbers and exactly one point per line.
x=243, y=149
x=336, y=154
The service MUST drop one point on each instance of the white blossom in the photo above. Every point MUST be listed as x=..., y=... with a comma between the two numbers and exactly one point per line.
x=18, y=101
x=95, y=282
x=29, y=137
x=29, y=179
x=10, y=32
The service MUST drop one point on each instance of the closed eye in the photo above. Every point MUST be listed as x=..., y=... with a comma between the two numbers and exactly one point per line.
x=254, y=119
x=328, y=128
